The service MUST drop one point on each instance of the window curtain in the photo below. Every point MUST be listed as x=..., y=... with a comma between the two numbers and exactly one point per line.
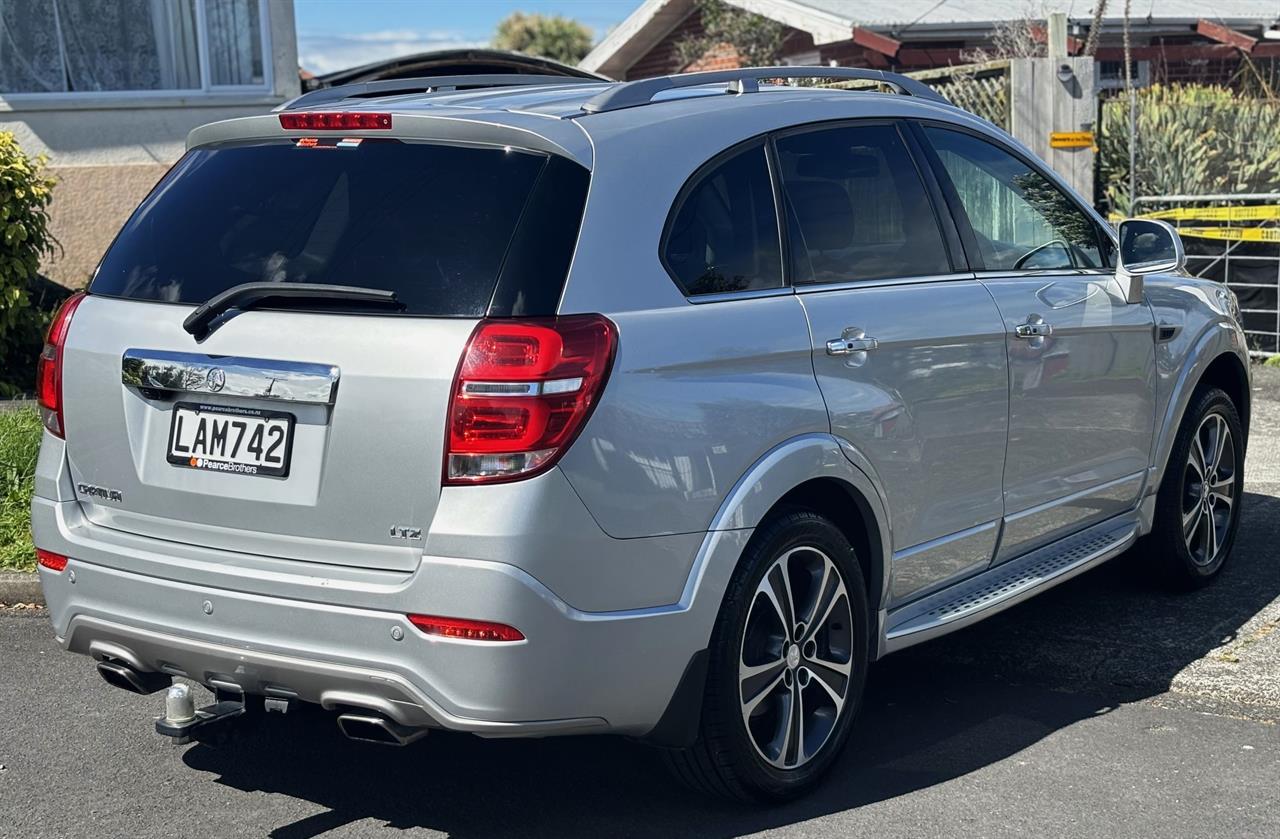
x=53, y=46
x=30, y=56
x=235, y=42
x=129, y=44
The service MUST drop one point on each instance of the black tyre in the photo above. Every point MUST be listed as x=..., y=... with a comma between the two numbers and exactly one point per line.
x=787, y=666
x=1198, y=507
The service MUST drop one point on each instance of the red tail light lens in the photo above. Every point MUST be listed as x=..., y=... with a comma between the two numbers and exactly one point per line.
x=335, y=121
x=466, y=629
x=49, y=367
x=52, y=561
x=523, y=391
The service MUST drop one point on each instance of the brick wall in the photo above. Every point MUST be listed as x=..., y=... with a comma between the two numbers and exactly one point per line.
x=664, y=58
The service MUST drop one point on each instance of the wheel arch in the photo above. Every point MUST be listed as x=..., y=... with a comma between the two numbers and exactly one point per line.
x=1213, y=359
x=1229, y=373
x=815, y=472
x=844, y=506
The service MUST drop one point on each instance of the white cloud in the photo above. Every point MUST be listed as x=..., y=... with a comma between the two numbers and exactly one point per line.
x=326, y=53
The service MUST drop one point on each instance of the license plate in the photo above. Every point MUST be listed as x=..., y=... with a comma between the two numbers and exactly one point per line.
x=238, y=441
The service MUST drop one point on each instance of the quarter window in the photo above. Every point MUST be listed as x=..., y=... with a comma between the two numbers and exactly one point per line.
x=724, y=236
x=857, y=209
x=1021, y=220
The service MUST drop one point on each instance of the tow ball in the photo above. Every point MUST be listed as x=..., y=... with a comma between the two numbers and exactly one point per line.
x=213, y=723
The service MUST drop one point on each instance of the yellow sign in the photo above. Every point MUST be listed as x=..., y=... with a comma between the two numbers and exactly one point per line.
x=1071, y=139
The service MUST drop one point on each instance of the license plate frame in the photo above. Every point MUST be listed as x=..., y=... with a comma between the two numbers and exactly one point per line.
x=204, y=463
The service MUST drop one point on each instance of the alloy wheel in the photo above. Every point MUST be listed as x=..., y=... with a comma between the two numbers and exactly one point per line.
x=796, y=659
x=1208, y=498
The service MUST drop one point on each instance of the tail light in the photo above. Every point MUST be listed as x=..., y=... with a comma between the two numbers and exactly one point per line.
x=49, y=368
x=466, y=629
x=52, y=561
x=524, y=390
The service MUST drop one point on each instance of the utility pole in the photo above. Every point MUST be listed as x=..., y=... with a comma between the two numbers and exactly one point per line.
x=1133, y=110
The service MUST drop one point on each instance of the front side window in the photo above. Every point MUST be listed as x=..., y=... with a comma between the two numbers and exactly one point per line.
x=724, y=235
x=1021, y=220
x=76, y=46
x=857, y=208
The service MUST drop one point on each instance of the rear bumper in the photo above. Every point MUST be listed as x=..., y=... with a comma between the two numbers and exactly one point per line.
x=329, y=634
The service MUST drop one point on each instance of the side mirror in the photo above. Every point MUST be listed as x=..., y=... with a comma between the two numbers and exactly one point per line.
x=1147, y=247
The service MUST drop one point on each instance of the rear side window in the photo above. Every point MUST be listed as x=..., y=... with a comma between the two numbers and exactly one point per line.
x=724, y=234
x=431, y=222
x=857, y=207
x=1021, y=220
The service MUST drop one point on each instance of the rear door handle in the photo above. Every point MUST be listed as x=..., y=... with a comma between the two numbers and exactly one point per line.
x=851, y=345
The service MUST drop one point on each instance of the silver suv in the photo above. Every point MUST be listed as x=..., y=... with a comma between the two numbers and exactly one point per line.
x=528, y=407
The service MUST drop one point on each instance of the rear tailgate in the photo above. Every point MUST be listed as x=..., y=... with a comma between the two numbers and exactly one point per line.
x=365, y=454
x=458, y=232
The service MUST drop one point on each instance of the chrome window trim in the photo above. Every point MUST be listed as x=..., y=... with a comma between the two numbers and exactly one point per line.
x=750, y=294
x=813, y=288
x=255, y=378
x=1045, y=272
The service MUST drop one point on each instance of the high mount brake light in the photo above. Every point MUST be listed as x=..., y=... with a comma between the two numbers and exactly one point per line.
x=49, y=367
x=334, y=121
x=466, y=629
x=523, y=391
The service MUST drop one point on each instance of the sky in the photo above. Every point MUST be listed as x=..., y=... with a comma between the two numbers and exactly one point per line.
x=336, y=34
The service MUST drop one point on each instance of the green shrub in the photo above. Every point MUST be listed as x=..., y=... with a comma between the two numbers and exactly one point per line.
x=19, y=445
x=1192, y=140
x=25, y=192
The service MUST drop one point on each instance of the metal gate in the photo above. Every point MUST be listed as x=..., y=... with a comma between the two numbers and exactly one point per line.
x=1234, y=239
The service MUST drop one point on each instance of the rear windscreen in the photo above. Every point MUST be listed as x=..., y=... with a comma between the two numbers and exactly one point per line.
x=430, y=222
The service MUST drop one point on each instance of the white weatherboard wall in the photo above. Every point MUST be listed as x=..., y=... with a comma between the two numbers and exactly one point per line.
x=108, y=150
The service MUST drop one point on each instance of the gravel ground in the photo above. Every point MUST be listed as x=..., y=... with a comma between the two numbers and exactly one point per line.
x=1102, y=708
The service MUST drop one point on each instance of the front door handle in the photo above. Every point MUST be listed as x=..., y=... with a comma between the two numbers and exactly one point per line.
x=1035, y=327
x=851, y=344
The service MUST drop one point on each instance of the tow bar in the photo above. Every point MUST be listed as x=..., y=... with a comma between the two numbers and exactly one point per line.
x=210, y=724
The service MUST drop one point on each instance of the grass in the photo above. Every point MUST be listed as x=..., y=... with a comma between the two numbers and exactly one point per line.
x=1273, y=361
x=19, y=445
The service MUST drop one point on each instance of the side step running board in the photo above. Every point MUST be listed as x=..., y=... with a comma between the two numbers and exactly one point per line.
x=1007, y=584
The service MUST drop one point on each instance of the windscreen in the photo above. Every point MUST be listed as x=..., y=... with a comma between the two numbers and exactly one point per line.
x=430, y=222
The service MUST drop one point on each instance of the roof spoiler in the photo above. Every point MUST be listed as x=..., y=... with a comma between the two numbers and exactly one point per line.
x=747, y=80
x=426, y=84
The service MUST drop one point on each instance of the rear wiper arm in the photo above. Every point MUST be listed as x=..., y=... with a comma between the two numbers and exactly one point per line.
x=249, y=295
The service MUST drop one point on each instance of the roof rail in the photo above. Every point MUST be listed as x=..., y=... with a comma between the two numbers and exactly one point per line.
x=425, y=84
x=747, y=80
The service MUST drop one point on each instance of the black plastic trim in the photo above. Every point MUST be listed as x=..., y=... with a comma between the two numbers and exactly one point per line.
x=536, y=266
x=678, y=727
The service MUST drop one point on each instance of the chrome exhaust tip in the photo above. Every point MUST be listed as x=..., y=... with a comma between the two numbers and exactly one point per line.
x=370, y=728
x=125, y=677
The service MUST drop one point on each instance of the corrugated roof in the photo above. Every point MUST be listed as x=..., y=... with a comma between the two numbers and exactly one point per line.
x=879, y=13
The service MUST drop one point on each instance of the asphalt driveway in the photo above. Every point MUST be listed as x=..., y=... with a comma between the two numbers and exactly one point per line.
x=1103, y=708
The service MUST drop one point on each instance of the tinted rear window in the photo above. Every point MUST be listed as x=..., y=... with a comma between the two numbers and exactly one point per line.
x=430, y=222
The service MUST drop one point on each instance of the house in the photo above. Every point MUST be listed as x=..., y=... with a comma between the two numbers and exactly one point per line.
x=109, y=90
x=1172, y=40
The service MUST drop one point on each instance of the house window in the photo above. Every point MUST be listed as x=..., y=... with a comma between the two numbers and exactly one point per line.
x=88, y=46
x=1111, y=74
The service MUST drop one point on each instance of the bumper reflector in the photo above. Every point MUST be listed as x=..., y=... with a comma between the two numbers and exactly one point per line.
x=466, y=629
x=51, y=560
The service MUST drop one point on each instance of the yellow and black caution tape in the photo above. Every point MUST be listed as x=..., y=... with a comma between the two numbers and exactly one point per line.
x=1228, y=232
x=1264, y=212
x=1232, y=234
